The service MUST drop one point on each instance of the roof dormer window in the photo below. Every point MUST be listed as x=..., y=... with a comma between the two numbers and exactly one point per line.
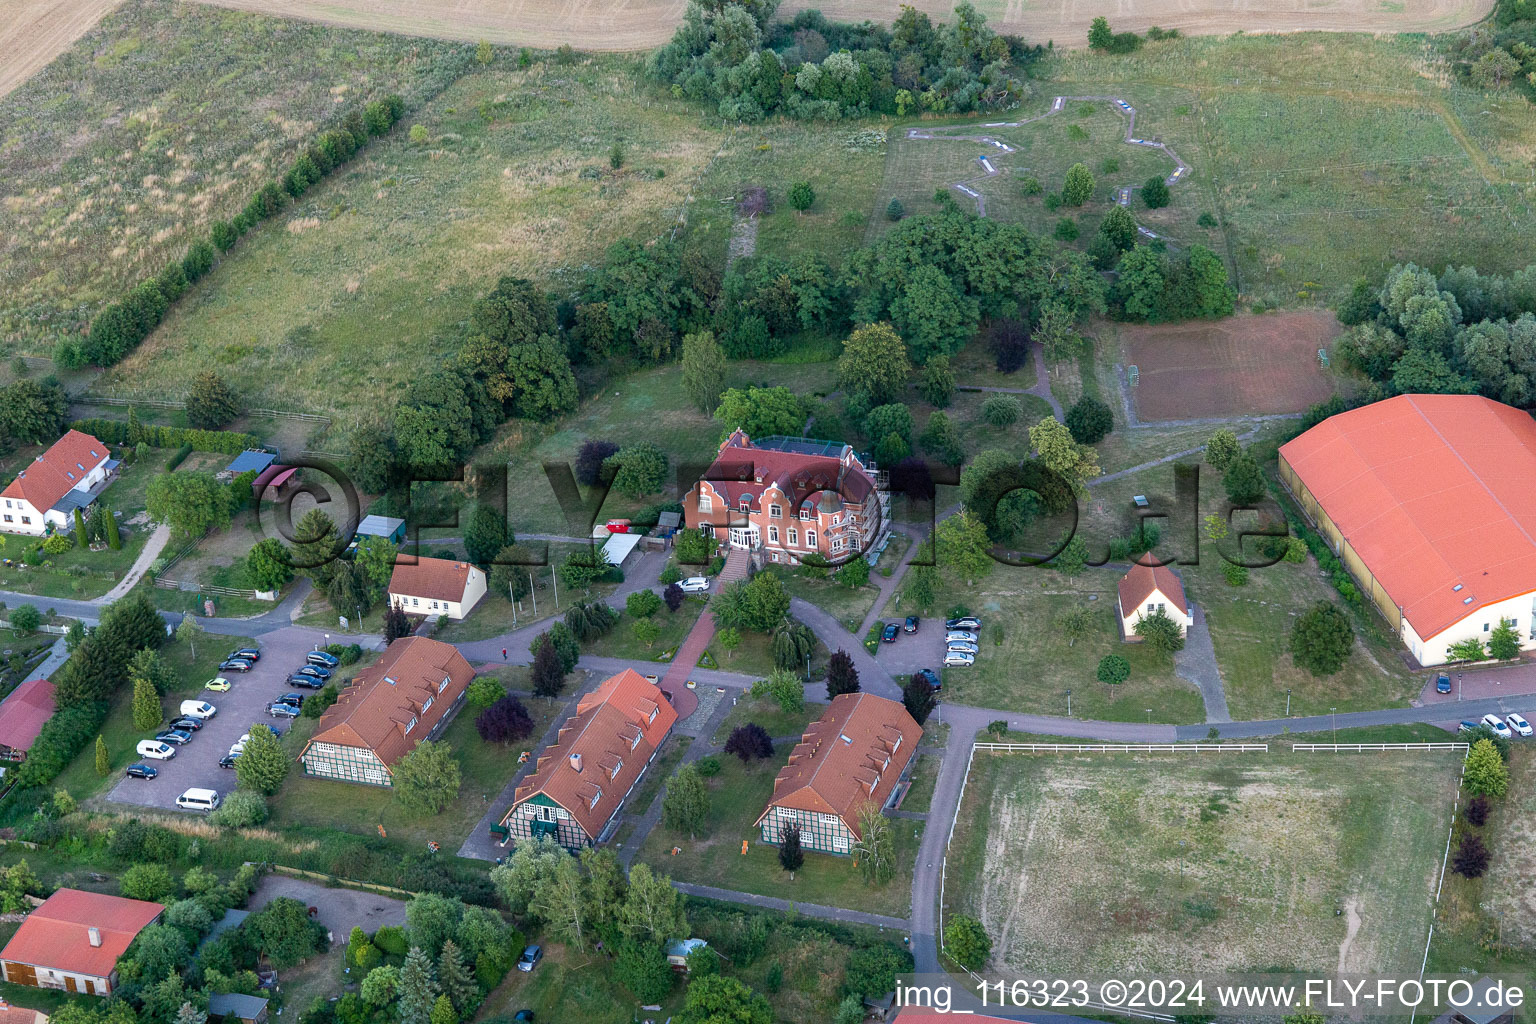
x=597, y=794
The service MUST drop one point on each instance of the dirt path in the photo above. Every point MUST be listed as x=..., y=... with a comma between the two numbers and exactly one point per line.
x=991, y=169
x=152, y=549
x=33, y=32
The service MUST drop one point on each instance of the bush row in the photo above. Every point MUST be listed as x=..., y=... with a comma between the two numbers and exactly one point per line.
x=223, y=442
x=121, y=326
x=63, y=736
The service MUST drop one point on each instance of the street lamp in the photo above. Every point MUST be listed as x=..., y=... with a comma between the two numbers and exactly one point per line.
x=1287, y=703
x=1149, y=716
x=1461, y=693
x=1333, y=713
x=1069, y=703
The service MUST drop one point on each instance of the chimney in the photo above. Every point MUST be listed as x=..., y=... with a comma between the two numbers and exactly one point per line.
x=576, y=762
x=95, y=934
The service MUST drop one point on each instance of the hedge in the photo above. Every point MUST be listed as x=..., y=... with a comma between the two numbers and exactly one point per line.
x=63, y=736
x=224, y=442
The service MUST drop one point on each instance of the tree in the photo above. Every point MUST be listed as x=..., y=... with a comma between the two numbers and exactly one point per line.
x=761, y=412
x=875, y=848
x=485, y=535
x=1072, y=558
x=1471, y=860
x=1243, y=480
x=442, y=1010
x=1321, y=639
x=894, y=211
x=1160, y=632
x=917, y=698
x=801, y=196
x=590, y=458
x=937, y=385
x=1009, y=343
x=427, y=779
x=381, y=985
x=109, y=525
x=791, y=857
x=1078, y=187
x=1099, y=35
x=191, y=503
x=1116, y=235
x=749, y=742
x=1090, y=420
x=151, y=882
x=673, y=597
x=1494, y=69
x=25, y=619
x=1155, y=192
x=685, y=808
x=639, y=468
x=418, y=988
x=1485, y=773
x=547, y=673
x=210, y=403
x=646, y=632
x=268, y=565
x=1213, y=294
x=842, y=676
x=1221, y=448
x=966, y=942
x=263, y=766
x=240, y=809
x=103, y=759
x=146, y=706
x=703, y=370
x=1504, y=641
x=652, y=910
x=717, y=999
x=1113, y=669
x=964, y=547
x=33, y=412
x=397, y=624
x=785, y=687
x=504, y=721
x=642, y=604
x=873, y=365
x=1062, y=454
x=729, y=639
x=565, y=644
x=642, y=968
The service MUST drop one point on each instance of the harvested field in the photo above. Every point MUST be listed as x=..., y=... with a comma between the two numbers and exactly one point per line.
x=641, y=24
x=1199, y=864
x=1241, y=366
x=36, y=31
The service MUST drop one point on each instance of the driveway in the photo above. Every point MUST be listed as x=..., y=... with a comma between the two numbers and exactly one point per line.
x=913, y=651
x=196, y=765
x=341, y=910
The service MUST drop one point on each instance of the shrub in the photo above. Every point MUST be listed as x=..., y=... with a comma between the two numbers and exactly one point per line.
x=152, y=882
x=505, y=720
x=1066, y=230
x=749, y=742
x=1477, y=811
x=1001, y=410
x=1236, y=575
x=240, y=809
x=1321, y=639
x=1471, y=858
x=643, y=603
x=894, y=210
x=1113, y=669
x=966, y=942
x=708, y=766
x=1089, y=420
x=1030, y=185
x=1155, y=193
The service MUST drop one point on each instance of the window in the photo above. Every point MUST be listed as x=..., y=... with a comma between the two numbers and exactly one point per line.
x=411, y=724
x=773, y=535
x=27, y=520
x=794, y=536
x=8, y=518
x=775, y=512
x=746, y=502
x=1151, y=607
x=427, y=705
x=805, y=513
x=598, y=795
x=810, y=538
x=652, y=716
x=1485, y=627
x=836, y=518
x=635, y=740
x=615, y=773
x=705, y=503
x=443, y=685
x=415, y=600
x=1162, y=607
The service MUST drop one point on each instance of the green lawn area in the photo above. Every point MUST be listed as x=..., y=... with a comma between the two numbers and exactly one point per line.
x=738, y=795
x=486, y=767
x=925, y=774
x=667, y=759
x=848, y=606
x=1250, y=862
x=620, y=642
x=571, y=986
x=767, y=713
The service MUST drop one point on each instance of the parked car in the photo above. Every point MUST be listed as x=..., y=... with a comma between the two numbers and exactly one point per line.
x=530, y=958
x=187, y=724
x=317, y=671
x=282, y=711
x=228, y=760
x=695, y=584
x=141, y=771
x=1496, y=723
x=199, y=800
x=1518, y=723
x=618, y=526
x=1442, y=683
x=888, y=634
x=324, y=659
x=293, y=700
x=962, y=645
x=958, y=658
x=234, y=665
x=932, y=677
x=1467, y=726
x=250, y=654
x=180, y=737
x=155, y=749
x=962, y=634
x=963, y=622
x=198, y=709
x=308, y=682
x=911, y=624
x=218, y=684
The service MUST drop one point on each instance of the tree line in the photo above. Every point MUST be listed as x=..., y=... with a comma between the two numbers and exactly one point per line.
x=119, y=328
x=737, y=57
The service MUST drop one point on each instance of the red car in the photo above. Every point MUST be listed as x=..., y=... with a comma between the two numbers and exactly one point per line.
x=618, y=526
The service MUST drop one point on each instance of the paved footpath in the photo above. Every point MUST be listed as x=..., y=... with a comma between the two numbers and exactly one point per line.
x=1197, y=663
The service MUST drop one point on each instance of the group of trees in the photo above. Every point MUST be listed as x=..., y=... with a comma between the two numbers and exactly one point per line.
x=735, y=56
x=1499, y=53
x=1460, y=333
x=118, y=328
x=1105, y=40
x=1486, y=778
x=33, y=411
x=1156, y=286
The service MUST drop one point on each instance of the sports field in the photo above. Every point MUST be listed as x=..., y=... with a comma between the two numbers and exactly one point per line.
x=1240, y=366
x=1185, y=863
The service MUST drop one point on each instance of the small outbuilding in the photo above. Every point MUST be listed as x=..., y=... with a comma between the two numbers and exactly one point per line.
x=248, y=461
x=234, y=1008
x=1147, y=590
x=22, y=715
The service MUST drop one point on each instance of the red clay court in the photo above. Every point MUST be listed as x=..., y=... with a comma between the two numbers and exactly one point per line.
x=1240, y=366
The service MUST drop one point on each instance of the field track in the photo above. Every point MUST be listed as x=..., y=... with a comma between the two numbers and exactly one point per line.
x=33, y=32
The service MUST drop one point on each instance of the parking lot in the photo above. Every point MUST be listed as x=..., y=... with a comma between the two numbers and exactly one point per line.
x=196, y=764
x=913, y=651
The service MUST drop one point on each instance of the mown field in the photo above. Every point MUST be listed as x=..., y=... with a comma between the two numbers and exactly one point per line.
x=1199, y=864
x=157, y=122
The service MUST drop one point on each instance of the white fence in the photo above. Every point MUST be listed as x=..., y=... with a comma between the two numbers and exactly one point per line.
x=1355, y=748
x=1125, y=748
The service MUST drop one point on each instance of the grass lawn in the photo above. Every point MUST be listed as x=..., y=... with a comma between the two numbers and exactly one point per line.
x=738, y=795
x=925, y=774
x=572, y=986
x=486, y=767
x=667, y=759
x=1241, y=863
x=767, y=713
x=620, y=642
x=848, y=606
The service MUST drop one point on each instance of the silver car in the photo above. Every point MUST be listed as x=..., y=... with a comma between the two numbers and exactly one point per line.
x=959, y=658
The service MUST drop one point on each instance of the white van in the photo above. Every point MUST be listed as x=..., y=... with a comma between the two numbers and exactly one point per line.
x=155, y=749
x=198, y=800
x=198, y=709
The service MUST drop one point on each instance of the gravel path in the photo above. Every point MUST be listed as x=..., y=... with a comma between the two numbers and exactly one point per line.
x=1197, y=663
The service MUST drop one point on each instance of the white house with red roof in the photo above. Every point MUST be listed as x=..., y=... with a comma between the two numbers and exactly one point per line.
x=783, y=498
x=69, y=475
x=73, y=940
x=1147, y=590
